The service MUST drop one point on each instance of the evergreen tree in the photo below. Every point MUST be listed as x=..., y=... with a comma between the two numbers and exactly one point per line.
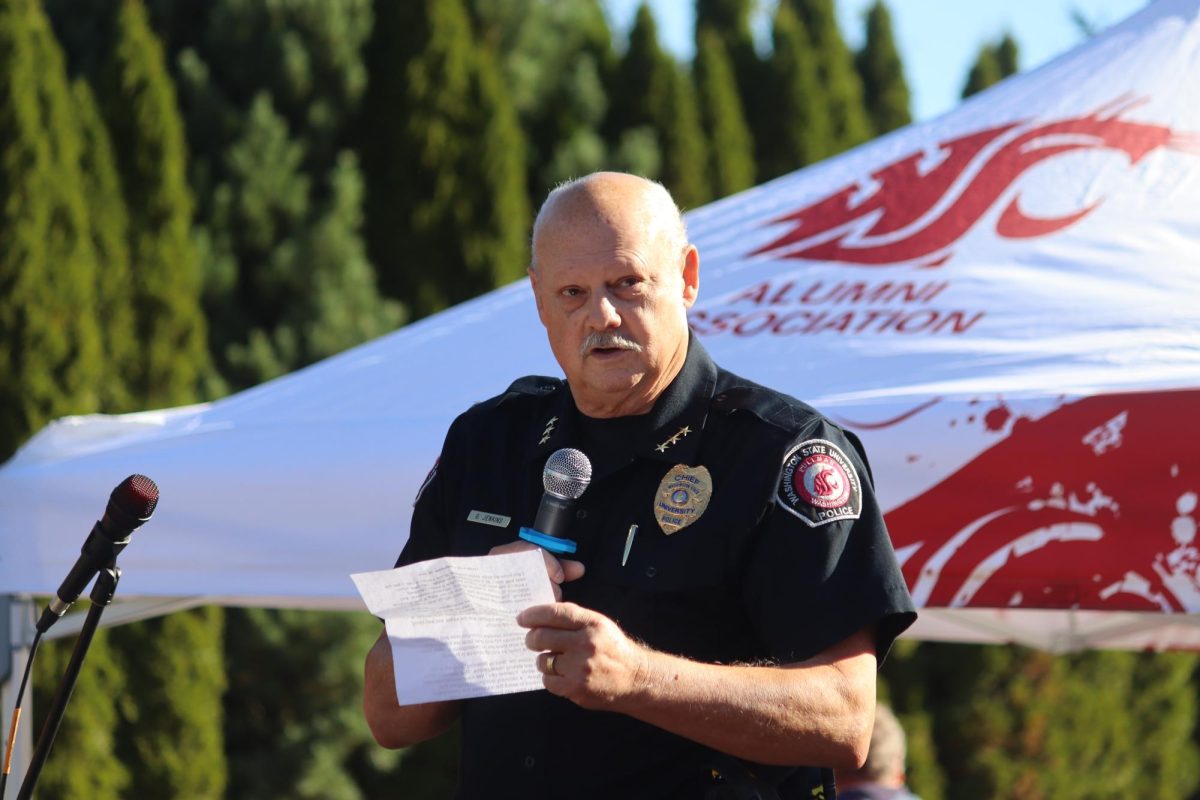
x=654, y=108
x=137, y=100
x=171, y=720
x=1008, y=56
x=268, y=92
x=841, y=88
x=51, y=361
x=447, y=211
x=1010, y=722
x=729, y=20
x=994, y=63
x=731, y=163
x=984, y=72
x=1164, y=718
x=557, y=59
x=83, y=761
x=685, y=149
x=316, y=742
x=799, y=134
x=884, y=89
x=905, y=683
x=110, y=239
x=642, y=81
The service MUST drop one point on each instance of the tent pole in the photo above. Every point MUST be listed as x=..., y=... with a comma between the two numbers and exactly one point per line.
x=16, y=634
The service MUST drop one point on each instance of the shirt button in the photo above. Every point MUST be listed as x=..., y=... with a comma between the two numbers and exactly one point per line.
x=651, y=571
x=529, y=762
x=581, y=513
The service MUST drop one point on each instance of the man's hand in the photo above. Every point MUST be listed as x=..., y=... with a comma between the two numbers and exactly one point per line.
x=560, y=570
x=817, y=711
x=595, y=664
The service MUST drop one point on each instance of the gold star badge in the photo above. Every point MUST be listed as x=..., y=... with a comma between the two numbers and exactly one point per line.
x=673, y=440
x=549, y=430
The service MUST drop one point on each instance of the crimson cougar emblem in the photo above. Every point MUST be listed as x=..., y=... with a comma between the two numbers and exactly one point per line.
x=916, y=208
x=818, y=483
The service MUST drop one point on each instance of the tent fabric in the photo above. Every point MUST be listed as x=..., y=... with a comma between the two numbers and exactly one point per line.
x=1002, y=302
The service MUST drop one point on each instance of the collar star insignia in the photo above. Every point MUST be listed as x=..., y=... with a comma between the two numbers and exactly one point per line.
x=673, y=440
x=549, y=430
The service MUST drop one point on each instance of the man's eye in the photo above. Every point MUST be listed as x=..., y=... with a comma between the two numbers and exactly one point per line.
x=571, y=292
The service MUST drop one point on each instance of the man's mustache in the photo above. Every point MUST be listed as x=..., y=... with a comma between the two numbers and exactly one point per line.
x=605, y=340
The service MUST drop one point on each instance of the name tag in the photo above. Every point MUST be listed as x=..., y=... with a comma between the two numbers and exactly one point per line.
x=499, y=520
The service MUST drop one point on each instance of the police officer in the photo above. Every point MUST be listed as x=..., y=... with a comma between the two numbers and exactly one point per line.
x=734, y=586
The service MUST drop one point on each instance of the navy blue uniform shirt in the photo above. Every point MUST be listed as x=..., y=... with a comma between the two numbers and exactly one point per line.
x=790, y=557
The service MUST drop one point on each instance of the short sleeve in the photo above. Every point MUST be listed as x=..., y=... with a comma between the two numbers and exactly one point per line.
x=822, y=565
x=429, y=533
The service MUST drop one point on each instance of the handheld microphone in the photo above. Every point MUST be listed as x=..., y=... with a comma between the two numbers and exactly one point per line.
x=565, y=478
x=129, y=505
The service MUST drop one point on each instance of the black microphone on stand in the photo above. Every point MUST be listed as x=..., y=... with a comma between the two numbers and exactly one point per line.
x=565, y=477
x=129, y=505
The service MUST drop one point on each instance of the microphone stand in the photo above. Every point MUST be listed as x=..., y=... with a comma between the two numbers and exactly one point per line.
x=101, y=597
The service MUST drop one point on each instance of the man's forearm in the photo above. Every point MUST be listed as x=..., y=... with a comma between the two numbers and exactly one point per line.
x=817, y=713
x=392, y=724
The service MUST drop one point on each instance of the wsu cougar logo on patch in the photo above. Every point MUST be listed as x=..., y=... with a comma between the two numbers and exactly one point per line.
x=916, y=208
x=818, y=483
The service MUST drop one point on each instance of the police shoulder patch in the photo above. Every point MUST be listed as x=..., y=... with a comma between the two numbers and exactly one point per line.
x=428, y=480
x=818, y=484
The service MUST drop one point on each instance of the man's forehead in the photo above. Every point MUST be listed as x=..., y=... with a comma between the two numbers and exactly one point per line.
x=597, y=234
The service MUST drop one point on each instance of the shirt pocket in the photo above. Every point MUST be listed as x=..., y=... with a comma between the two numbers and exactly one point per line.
x=672, y=587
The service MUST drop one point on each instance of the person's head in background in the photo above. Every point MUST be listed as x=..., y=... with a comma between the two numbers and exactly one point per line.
x=885, y=760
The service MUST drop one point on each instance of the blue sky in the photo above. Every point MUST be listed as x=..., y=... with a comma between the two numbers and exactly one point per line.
x=938, y=39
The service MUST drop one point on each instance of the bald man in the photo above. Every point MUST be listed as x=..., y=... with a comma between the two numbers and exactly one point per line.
x=718, y=630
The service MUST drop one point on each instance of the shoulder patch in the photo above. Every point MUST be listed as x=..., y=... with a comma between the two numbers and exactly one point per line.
x=818, y=484
x=428, y=480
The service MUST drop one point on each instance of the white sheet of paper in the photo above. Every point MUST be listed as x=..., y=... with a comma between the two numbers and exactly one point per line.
x=452, y=624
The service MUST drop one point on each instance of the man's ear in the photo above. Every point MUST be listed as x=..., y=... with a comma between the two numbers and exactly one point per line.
x=691, y=276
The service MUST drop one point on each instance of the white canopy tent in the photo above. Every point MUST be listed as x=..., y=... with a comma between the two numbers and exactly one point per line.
x=1004, y=303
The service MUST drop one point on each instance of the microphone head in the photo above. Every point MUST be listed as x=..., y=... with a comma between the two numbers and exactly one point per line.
x=567, y=474
x=131, y=504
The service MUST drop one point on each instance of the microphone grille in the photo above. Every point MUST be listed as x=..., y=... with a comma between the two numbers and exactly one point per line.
x=136, y=496
x=567, y=474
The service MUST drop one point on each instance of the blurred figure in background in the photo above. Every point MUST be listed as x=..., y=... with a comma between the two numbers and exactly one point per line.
x=881, y=777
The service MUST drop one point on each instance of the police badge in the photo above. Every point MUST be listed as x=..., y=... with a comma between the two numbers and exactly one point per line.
x=682, y=496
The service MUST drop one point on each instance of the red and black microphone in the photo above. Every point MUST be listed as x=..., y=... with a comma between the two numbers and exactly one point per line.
x=129, y=506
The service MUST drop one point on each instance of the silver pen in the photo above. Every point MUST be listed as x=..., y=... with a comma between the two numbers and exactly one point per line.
x=628, y=543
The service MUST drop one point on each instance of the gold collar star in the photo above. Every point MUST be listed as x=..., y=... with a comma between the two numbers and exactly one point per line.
x=673, y=440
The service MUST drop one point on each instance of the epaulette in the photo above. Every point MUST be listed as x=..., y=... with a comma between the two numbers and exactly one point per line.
x=768, y=405
x=529, y=386
x=534, y=385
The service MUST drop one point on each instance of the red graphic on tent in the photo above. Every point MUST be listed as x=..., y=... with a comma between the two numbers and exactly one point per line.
x=919, y=206
x=1071, y=530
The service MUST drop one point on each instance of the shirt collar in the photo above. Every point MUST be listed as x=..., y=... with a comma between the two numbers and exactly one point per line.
x=674, y=425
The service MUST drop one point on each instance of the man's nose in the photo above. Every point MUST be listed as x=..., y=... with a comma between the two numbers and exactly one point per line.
x=603, y=314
